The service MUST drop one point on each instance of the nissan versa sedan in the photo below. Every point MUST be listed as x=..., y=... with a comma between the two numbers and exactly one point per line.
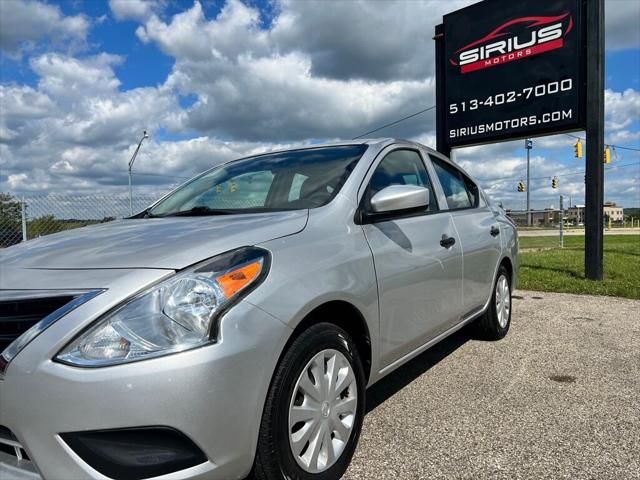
x=232, y=328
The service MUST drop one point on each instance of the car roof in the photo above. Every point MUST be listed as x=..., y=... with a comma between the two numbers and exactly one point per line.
x=382, y=141
x=378, y=142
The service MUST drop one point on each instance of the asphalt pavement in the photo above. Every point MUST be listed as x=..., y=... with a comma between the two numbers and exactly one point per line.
x=558, y=398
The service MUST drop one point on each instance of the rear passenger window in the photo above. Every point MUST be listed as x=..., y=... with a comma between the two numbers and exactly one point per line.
x=460, y=191
x=472, y=190
x=402, y=167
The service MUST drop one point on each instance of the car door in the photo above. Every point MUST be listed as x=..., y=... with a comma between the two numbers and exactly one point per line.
x=478, y=230
x=419, y=279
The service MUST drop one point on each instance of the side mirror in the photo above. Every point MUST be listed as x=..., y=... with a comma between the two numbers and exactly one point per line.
x=400, y=197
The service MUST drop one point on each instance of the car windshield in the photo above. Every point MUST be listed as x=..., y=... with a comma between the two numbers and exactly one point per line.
x=291, y=180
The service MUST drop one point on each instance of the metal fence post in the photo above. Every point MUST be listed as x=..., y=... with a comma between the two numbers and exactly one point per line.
x=561, y=223
x=24, y=220
x=528, y=144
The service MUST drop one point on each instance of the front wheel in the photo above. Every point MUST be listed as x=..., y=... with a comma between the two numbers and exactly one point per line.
x=314, y=409
x=494, y=324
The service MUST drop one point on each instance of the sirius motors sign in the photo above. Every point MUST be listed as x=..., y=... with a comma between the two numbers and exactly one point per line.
x=512, y=69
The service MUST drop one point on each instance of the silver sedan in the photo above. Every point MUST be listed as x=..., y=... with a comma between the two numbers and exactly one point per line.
x=233, y=327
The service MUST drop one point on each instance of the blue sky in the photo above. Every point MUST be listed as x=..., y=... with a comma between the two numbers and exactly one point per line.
x=215, y=79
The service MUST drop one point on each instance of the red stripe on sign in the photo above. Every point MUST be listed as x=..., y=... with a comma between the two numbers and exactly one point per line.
x=510, y=57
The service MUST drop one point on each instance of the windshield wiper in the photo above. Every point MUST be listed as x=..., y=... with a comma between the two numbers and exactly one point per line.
x=199, y=211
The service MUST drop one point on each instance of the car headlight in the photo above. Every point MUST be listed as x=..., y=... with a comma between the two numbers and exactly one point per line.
x=177, y=314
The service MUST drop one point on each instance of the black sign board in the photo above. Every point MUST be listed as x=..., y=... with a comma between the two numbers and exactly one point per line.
x=511, y=69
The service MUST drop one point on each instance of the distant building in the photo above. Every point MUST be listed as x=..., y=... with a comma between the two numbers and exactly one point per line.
x=614, y=212
x=575, y=214
x=539, y=218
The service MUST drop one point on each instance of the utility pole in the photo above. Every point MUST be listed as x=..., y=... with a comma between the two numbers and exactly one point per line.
x=133, y=159
x=528, y=144
x=23, y=216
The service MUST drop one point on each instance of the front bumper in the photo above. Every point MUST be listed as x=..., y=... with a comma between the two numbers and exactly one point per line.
x=214, y=395
x=13, y=469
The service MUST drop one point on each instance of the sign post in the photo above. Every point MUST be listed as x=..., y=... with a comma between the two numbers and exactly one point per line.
x=594, y=194
x=442, y=145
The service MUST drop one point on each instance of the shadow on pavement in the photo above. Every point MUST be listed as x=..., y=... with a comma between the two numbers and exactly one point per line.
x=403, y=376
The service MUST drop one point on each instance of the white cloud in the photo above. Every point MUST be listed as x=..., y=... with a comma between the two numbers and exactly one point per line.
x=621, y=108
x=65, y=76
x=133, y=9
x=26, y=21
x=78, y=101
x=74, y=130
x=250, y=85
x=363, y=39
x=622, y=29
x=24, y=102
x=191, y=37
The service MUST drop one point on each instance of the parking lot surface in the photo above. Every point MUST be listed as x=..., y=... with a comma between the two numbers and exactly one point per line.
x=559, y=397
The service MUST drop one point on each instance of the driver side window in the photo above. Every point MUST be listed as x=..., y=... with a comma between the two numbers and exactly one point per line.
x=401, y=167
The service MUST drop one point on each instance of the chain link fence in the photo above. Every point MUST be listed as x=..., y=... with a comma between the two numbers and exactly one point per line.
x=24, y=218
x=547, y=218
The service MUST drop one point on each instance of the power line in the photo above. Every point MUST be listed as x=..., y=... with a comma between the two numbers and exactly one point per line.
x=570, y=174
x=395, y=122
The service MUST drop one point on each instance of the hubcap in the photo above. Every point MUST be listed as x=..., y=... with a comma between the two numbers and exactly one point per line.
x=503, y=301
x=322, y=411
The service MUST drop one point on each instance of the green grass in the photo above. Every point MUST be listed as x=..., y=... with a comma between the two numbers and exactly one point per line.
x=551, y=241
x=562, y=270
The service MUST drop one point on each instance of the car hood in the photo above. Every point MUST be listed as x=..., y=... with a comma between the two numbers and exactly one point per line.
x=169, y=243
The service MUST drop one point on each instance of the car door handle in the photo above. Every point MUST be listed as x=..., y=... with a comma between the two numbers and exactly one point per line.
x=495, y=231
x=447, y=242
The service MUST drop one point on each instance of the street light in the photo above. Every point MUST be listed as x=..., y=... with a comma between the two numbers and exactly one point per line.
x=133, y=159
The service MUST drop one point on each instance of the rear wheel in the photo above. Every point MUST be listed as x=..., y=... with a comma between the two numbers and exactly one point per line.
x=314, y=410
x=494, y=324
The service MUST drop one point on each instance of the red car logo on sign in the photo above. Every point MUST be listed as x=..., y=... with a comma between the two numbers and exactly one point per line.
x=542, y=34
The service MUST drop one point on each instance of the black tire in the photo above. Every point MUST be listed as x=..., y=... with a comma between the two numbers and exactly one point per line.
x=274, y=458
x=488, y=325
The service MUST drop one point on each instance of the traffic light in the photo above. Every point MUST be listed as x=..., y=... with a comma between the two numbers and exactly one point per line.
x=554, y=182
x=521, y=187
x=577, y=149
x=607, y=155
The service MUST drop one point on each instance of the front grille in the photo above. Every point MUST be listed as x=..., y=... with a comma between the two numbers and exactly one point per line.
x=18, y=316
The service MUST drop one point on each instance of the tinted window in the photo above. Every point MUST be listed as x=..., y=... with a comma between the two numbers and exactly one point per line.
x=460, y=191
x=401, y=167
x=296, y=186
x=278, y=181
x=472, y=190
